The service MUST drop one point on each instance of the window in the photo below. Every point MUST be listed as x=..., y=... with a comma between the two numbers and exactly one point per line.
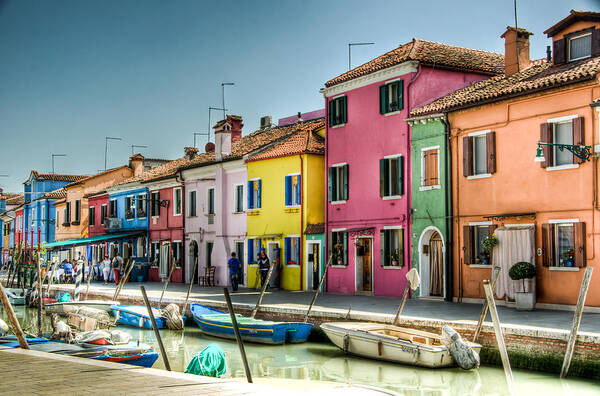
x=473, y=238
x=392, y=247
x=254, y=246
x=391, y=97
x=254, y=192
x=130, y=207
x=103, y=214
x=192, y=204
x=77, y=211
x=141, y=206
x=338, y=183
x=32, y=217
x=92, y=216
x=479, y=154
x=580, y=47
x=563, y=244
x=338, y=247
x=430, y=167
x=239, y=199
x=210, y=201
x=292, y=250
x=562, y=134
x=177, y=201
x=209, y=250
x=293, y=190
x=56, y=219
x=338, y=113
x=155, y=253
x=391, y=176
x=155, y=204
x=68, y=208
x=112, y=209
x=177, y=247
x=563, y=130
x=239, y=251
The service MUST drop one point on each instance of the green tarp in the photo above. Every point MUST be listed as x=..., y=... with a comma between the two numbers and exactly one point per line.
x=209, y=362
x=85, y=241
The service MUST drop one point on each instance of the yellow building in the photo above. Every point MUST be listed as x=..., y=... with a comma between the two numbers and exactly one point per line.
x=286, y=185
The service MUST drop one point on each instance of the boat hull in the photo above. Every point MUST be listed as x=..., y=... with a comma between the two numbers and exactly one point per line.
x=15, y=296
x=352, y=338
x=59, y=307
x=137, y=316
x=142, y=360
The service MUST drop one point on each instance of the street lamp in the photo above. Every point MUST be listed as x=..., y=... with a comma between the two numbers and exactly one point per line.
x=350, y=45
x=580, y=151
x=223, y=95
x=106, y=139
x=133, y=146
x=56, y=155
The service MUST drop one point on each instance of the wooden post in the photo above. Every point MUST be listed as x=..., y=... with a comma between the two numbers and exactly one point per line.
x=166, y=284
x=585, y=283
x=262, y=291
x=13, y=318
x=123, y=280
x=401, y=307
x=484, y=310
x=238, y=337
x=40, y=299
x=155, y=328
x=318, y=289
x=89, y=279
x=187, y=297
x=489, y=295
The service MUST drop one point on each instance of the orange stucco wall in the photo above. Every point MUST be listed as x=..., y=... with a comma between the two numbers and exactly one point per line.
x=520, y=185
x=574, y=28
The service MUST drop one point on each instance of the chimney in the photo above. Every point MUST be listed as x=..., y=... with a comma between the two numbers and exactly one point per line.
x=190, y=152
x=136, y=162
x=300, y=117
x=227, y=132
x=210, y=147
x=516, y=50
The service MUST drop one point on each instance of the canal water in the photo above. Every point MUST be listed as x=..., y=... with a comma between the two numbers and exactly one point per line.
x=325, y=362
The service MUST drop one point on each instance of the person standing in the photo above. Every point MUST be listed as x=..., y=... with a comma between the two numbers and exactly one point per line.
x=234, y=269
x=117, y=264
x=263, y=266
x=106, y=269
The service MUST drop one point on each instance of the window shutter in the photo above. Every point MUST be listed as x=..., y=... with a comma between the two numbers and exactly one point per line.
x=400, y=175
x=578, y=136
x=401, y=247
x=490, y=143
x=580, y=236
x=548, y=245
x=250, y=250
x=331, y=184
x=298, y=259
x=299, y=190
x=331, y=110
x=595, y=42
x=491, y=230
x=400, y=94
x=288, y=190
x=287, y=250
x=344, y=109
x=468, y=244
x=258, y=194
x=345, y=238
x=383, y=99
x=345, y=182
x=382, y=178
x=467, y=156
x=560, y=53
x=382, y=248
x=546, y=137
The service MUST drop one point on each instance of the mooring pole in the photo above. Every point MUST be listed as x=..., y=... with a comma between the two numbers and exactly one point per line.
x=484, y=310
x=238, y=337
x=166, y=284
x=585, y=283
x=401, y=307
x=262, y=291
x=187, y=297
x=123, y=280
x=13, y=319
x=318, y=289
x=489, y=295
x=155, y=328
x=40, y=299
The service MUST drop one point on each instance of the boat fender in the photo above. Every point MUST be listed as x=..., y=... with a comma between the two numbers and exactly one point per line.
x=346, y=343
x=464, y=356
x=3, y=328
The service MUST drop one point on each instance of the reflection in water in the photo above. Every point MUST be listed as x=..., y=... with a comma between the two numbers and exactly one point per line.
x=325, y=362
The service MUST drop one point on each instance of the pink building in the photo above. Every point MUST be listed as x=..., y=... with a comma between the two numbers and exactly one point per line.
x=368, y=158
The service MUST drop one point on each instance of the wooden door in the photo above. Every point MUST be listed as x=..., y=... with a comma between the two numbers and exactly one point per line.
x=367, y=276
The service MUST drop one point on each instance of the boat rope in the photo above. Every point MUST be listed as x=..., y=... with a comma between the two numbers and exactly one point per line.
x=172, y=317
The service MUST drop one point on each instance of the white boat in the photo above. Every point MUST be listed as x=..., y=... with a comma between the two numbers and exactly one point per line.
x=391, y=343
x=62, y=308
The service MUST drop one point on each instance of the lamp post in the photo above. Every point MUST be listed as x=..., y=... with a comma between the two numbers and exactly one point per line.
x=223, y=95
x=106, y=139
x=133, y=146
x=580, y=151
x=56, y=155
x=350, y=45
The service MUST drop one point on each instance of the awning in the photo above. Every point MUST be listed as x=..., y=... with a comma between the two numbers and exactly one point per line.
x=266, y=236
x=84, y=241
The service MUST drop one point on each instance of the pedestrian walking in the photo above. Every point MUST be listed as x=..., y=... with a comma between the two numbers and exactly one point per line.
x=106, y=269
x=117, y=264
x=263, y=266
x=234, y=270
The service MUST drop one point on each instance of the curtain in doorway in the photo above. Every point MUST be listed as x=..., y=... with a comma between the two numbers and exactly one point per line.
x=514, y=244
x=435, y=274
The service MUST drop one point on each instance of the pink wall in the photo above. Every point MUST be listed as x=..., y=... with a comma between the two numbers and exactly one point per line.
x=97, y=202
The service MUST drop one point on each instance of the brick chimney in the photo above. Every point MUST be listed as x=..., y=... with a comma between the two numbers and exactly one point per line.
x=136, y=162
x=227, y=132
x=190, y=152
x=516, y=50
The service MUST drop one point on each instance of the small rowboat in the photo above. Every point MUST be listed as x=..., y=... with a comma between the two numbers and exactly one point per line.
x=218, y=324
x=60, y=307
x=391, y=343
x=15, y=296
x=137, y=316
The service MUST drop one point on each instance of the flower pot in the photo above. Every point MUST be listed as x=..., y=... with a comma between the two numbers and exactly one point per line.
x=570, y=263
x=525, y=301
x=395, y=263
x=340, y=262
x=484, y=260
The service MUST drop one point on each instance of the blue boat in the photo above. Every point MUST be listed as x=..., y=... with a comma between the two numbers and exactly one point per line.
x=137, y=316
x=218, y=324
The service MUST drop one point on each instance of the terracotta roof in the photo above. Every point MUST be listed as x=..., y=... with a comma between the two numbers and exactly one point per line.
x=573, y=17
x=56, y=177
x=315, y=228
x=304, y=141
x=94, y=194
x=541, y=75
x=85, y=179
x=14, y=198
x=429, y=53
x=56, y=194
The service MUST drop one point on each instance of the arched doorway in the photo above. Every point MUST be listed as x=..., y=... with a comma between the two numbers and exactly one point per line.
x=192, y=257
x=432, y=256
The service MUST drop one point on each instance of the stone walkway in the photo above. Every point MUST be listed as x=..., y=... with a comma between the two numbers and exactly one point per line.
x=363, y=306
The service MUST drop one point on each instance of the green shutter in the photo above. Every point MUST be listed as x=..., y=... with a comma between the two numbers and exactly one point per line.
x=382, y=177
x=382, y=247
x=386, y=178
x=344, y=109
x=401, y=175
x=331, y=108
x=400, y=94
x=345, y=169
x=383, y=99
x=345, y=238
x=332, y=184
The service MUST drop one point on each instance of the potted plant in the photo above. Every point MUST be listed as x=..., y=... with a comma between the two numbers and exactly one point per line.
x=487, y=245
x=395, y=258
x=522, y=270
x=338, y=255
x=568, y=257
x=484, y=258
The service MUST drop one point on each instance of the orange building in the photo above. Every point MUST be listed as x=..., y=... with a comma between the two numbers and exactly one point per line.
x=540, y=209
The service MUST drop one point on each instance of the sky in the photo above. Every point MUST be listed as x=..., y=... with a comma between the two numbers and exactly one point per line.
x=73, y=72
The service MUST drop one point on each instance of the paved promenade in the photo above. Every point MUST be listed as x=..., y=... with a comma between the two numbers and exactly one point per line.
x=361, y=306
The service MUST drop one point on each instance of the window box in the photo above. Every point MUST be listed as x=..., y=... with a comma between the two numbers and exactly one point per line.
x=66, y=224
x=75, y=222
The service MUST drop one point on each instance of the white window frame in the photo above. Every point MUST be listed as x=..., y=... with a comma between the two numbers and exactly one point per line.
x=152, y=203
x=391, y=228
x=175, y=201
x=116, y=207
x=208, y=190
x=338, y=101
x=106, y=218
x=423, y=187
x=92, y=207
x=388, y=197
x=339, y=201
x=561, y=223
x=190, y=203
x=568, y=49
x=235, y=199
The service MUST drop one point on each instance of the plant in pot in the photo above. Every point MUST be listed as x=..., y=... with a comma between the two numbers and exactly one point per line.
x=568, y=257
x=338, y=256
x=523, y=270
x=487, y=245
x=395, y=258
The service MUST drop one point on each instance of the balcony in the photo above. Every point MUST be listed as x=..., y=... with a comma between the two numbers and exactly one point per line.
x=114, y=224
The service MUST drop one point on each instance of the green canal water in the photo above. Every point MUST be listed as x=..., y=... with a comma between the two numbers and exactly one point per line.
x=325, y=362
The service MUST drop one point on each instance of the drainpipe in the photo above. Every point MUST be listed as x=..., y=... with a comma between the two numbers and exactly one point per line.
x=448, y=205
x=326, y=228
x=179, y=178
x=302, y=184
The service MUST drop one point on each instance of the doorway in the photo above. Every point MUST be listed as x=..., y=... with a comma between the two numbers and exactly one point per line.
x=313, y=264
x=431, y=263
x=193, y=256
x=209, y=249
x=364, y=264
x=164, y=260
x=273, y=255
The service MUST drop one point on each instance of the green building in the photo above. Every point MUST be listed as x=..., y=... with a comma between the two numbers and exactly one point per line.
x=431, y=206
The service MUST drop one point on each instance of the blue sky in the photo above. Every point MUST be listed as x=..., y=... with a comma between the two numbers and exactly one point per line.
x=75, y=71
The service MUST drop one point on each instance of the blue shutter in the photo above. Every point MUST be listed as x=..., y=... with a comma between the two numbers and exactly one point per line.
x=299, y=190
x=258, y=199
x=298, y=259
x=287, y=250
x=288, y=190
x=250, y=195
x=250, y=250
